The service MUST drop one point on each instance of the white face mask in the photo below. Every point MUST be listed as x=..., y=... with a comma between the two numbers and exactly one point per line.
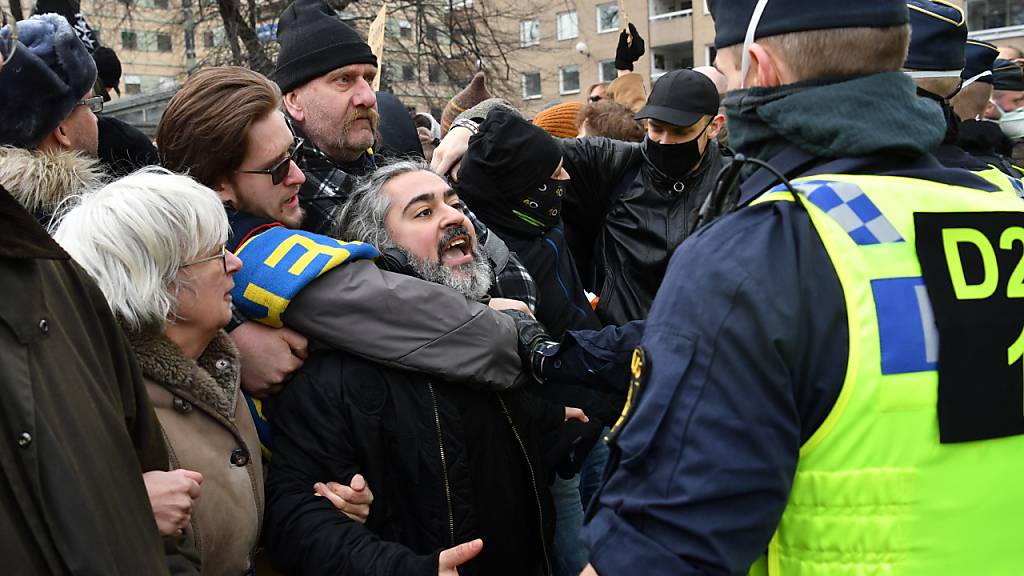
x=1011, y=123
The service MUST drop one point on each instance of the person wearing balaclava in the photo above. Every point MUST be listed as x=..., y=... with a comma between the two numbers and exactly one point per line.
x=513, y=180
x=936, y=60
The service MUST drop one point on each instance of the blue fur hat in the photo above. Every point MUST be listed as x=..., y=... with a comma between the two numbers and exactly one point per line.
x=49, y=73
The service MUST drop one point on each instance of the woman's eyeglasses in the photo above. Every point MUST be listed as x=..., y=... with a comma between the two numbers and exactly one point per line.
x=223, y=256
x=278, y=172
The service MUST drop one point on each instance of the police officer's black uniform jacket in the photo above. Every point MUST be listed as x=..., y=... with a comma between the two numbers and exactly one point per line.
x=623, y=220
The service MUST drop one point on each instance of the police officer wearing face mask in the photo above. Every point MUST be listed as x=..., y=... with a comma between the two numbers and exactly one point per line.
x=937, y=62
x=980, y=137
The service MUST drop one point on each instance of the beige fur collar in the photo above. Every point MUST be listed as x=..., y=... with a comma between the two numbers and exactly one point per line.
x=40, y=181
x=213, y=380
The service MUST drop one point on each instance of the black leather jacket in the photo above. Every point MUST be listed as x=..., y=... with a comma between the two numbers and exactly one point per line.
x=624, y=220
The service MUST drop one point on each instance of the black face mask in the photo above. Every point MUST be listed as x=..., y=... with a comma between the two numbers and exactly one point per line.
x=675, y=161
x=541, y=208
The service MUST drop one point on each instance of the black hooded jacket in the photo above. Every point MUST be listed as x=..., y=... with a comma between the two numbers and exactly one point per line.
x=624, y=220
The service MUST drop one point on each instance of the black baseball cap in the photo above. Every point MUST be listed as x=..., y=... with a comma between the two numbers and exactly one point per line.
x=681, y=98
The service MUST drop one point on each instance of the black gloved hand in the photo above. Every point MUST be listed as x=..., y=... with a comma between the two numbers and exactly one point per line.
x=397, y=261
x=626, y=54
x=568, y=446
x=534, y=341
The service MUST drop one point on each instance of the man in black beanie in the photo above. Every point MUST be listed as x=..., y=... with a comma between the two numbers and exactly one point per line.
x=326, y=71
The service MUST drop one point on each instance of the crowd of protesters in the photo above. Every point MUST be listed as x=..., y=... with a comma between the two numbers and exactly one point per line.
x=750, y=320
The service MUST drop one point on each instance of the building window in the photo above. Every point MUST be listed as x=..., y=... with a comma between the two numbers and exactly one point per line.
x=606, y=71
x=671, y=57
x=208, y=39
x=129, y=40
x=709, y=54
x=408, y=72
x=986, y=14
x=438, y=36
x=163, y=42
x=162, y=4
x=529, y=32
x=569, y=79
x=608, y=18
x=404, y=29
x=670, y=8
x=567, y=25
x=531, y=85
x=436, y=74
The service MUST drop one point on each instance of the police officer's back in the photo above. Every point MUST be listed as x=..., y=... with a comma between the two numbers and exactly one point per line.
x=787, y=396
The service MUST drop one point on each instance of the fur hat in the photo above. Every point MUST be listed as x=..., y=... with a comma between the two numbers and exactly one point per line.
x=315, y=41
x=560, y=119
x=49, y=73
x=473, y=94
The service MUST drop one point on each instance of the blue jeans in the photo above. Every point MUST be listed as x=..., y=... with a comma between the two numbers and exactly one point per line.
x=568, y=556
x=592, y=471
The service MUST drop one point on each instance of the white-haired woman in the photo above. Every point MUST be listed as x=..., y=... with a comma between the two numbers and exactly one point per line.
x=154, y=242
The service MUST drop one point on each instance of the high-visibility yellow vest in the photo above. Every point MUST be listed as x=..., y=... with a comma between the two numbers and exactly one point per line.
x=1003, y=181
x=875, y=492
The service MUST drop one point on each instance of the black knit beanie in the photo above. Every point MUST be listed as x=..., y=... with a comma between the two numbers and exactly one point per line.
x=314, y=42
x=507, y=159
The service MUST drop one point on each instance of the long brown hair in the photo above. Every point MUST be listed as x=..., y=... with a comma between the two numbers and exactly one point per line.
x=203, y=131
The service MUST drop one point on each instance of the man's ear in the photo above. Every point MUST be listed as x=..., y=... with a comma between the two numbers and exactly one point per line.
x=764, y=68
x=61, y=134
x=294, y=107
x=716, y=126
x=226, y=191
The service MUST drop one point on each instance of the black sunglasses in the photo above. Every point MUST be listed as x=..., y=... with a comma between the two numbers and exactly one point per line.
x=278, y=172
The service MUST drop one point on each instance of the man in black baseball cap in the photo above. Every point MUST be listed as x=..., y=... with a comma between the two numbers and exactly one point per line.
x=631, y=204
x=682, y=119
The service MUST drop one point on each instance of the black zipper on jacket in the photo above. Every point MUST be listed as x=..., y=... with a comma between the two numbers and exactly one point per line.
x=533, y=483
x=444, y=466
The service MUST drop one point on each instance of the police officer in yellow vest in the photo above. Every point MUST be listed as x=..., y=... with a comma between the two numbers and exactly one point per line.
x=831, y=380
x=936, y=61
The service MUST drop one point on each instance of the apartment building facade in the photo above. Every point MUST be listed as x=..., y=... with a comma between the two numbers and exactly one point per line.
x=550, y=51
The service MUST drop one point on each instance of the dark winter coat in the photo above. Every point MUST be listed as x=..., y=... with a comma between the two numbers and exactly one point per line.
x=624, y=220
x=77, y=427
x=446, y=465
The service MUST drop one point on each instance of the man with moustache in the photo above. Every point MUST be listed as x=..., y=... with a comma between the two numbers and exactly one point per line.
x=326, y=72
x=449, y=465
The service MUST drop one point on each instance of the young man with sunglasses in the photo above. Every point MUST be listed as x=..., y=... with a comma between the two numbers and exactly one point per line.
x=225, y=128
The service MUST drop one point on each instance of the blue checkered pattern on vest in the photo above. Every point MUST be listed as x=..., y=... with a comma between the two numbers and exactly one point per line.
x=847, y=204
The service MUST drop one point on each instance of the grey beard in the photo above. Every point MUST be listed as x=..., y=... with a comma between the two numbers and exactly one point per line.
x=472, y=280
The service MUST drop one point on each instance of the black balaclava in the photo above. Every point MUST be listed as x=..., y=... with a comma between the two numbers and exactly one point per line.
x=505, y=176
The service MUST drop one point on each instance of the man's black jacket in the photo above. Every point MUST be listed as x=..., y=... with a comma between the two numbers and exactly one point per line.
x=624, y=220
x=343, y=414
